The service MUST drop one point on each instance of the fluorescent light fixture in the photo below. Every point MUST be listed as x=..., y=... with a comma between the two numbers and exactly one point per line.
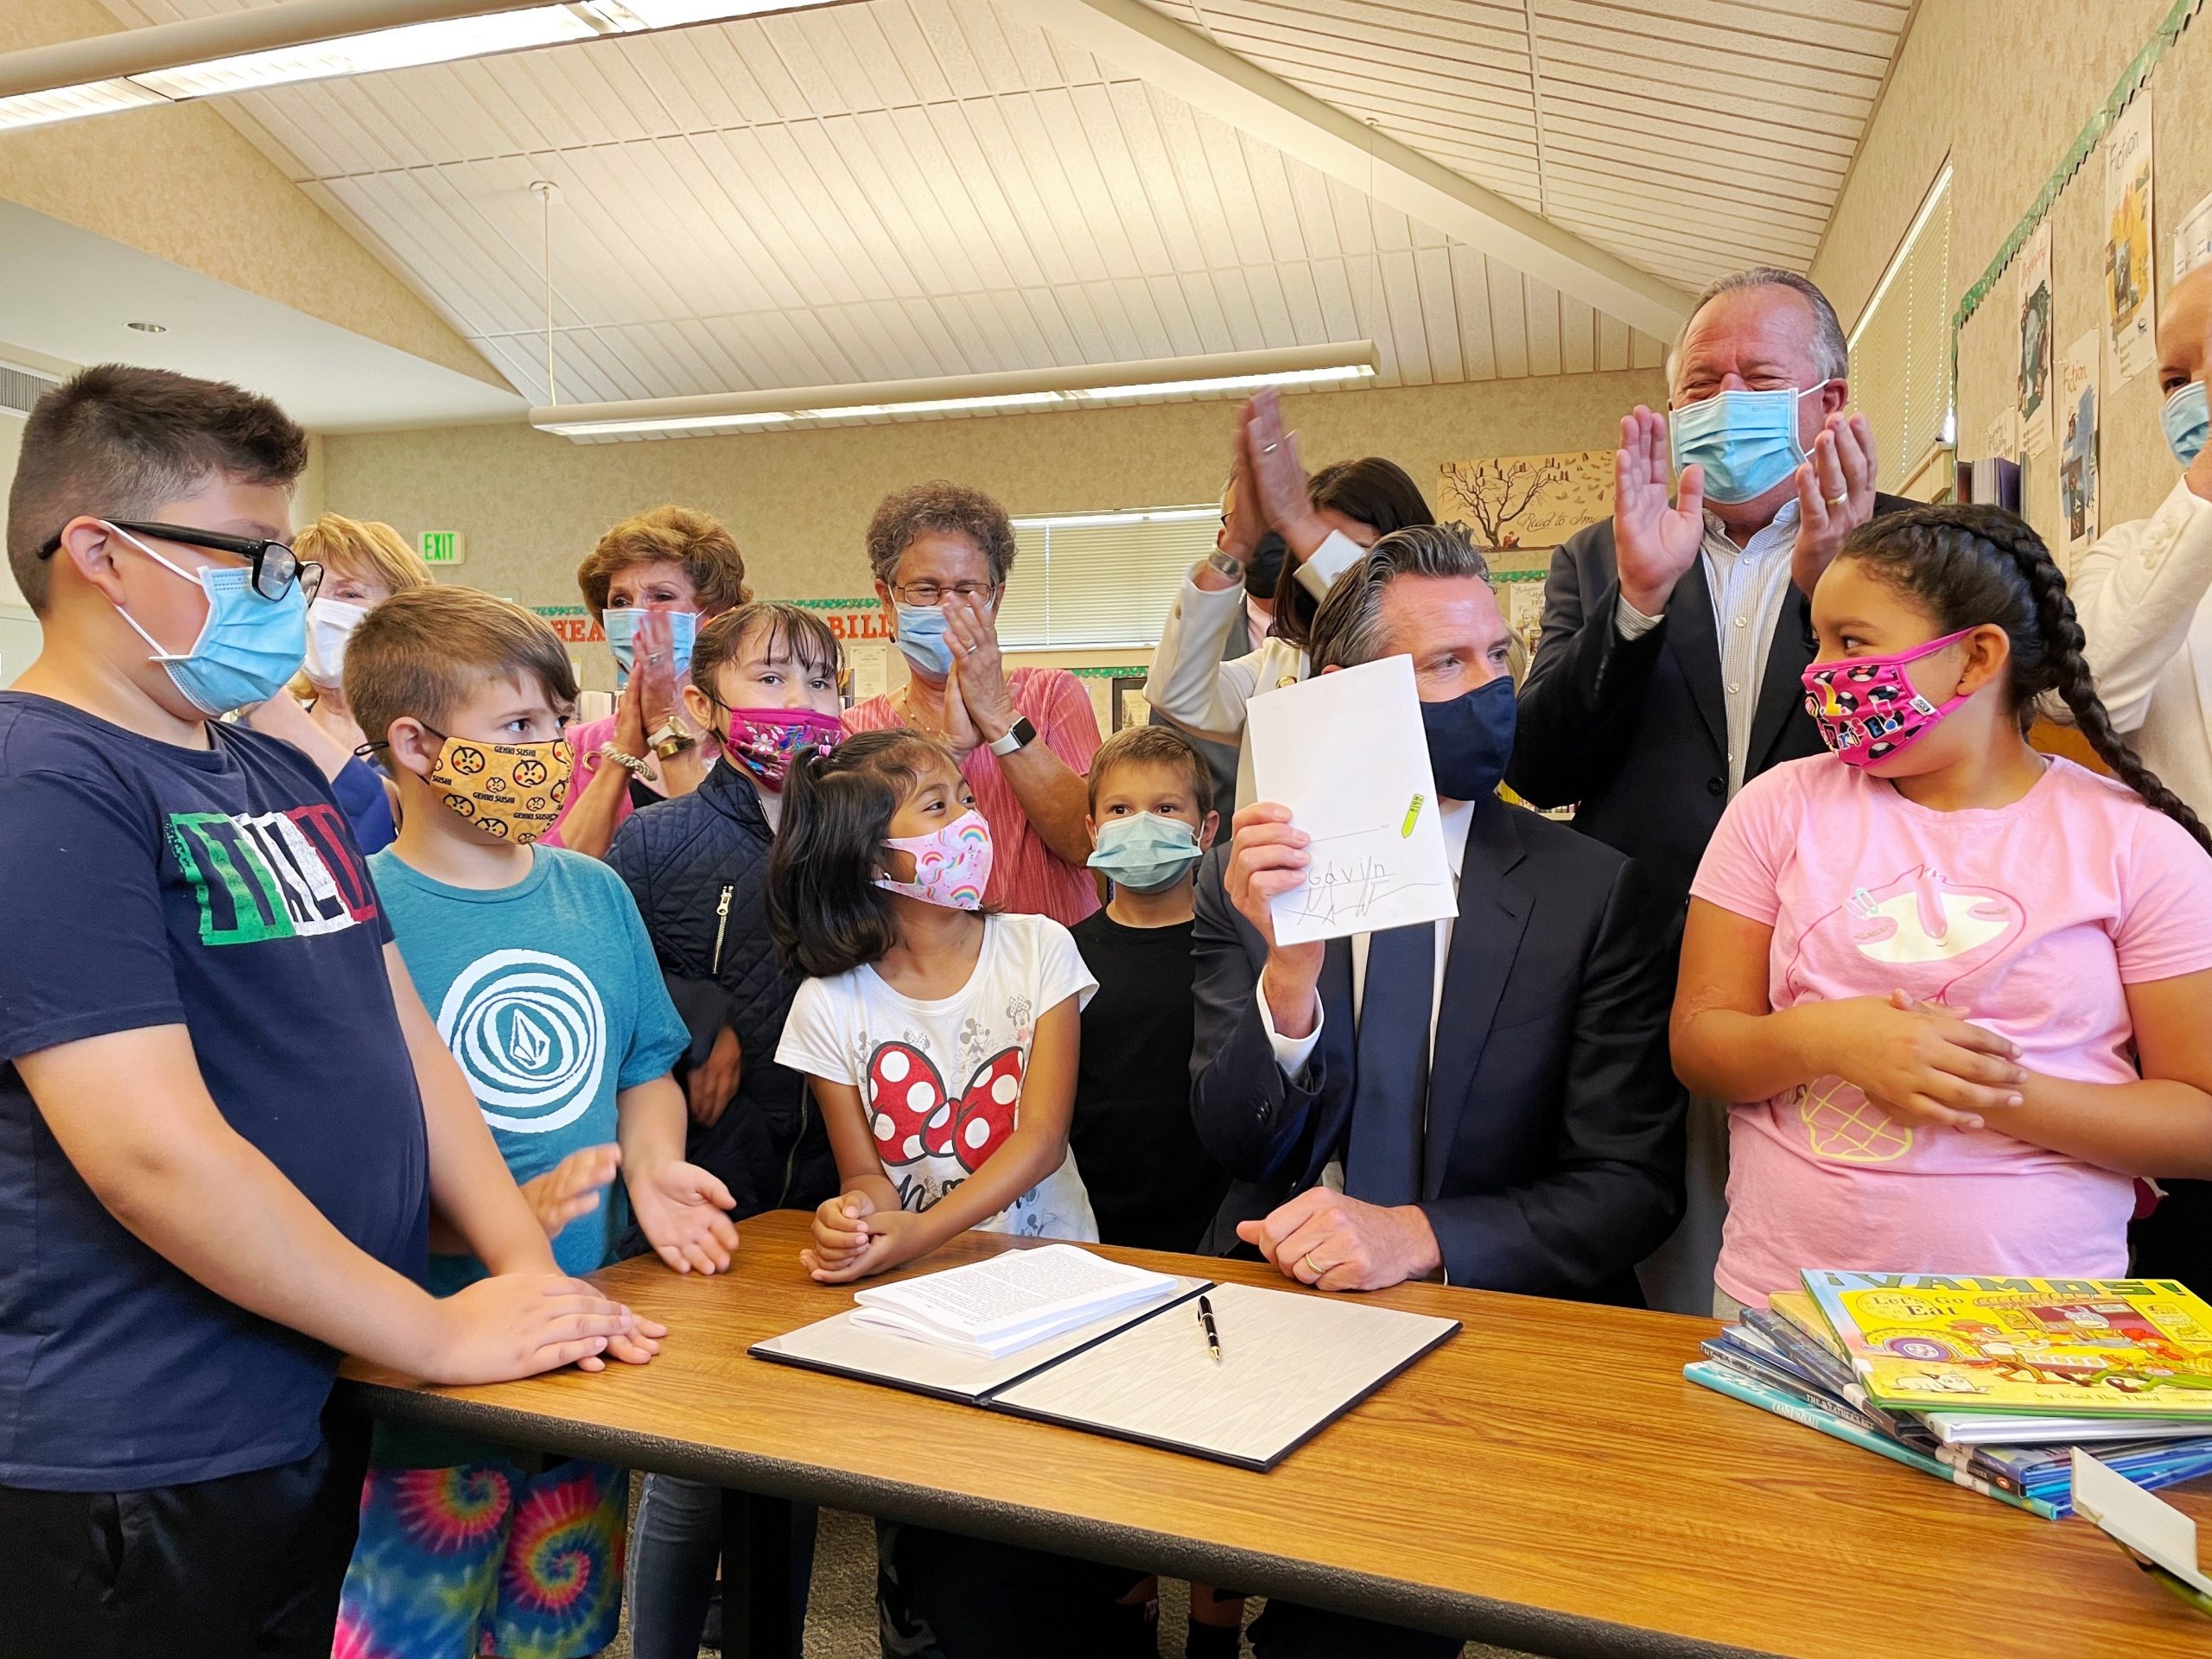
x=640, y=428
x=1340, y=364
x=67, y=102
x=1101, y=520
x=930, y=406
x=315, y=40
x=384, y=48
x=1234, y=383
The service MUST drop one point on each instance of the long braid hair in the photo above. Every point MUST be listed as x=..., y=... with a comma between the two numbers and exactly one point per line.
x=1969, y=565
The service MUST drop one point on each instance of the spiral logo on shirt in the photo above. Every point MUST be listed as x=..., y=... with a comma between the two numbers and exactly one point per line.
x=531, y=1032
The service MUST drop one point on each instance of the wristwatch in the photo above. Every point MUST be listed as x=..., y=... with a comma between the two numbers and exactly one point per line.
x=1020, y=735
x=671, y=739
x=634, y=765
x=1222, y=565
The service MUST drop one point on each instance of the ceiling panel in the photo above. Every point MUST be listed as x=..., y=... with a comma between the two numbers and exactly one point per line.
x=910, y=188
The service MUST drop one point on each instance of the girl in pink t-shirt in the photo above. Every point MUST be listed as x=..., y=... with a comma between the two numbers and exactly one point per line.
x=1966, y=987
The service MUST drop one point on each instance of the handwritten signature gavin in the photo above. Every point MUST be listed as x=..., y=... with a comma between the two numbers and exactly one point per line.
x=1338, y=888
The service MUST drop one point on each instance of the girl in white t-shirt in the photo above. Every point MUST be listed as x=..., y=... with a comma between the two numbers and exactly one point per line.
x=940, y=1041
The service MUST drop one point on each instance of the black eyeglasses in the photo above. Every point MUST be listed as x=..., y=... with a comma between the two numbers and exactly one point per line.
x=275, y=567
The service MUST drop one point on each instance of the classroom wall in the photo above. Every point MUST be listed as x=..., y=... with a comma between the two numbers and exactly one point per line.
x=532, y=505
x=180, y=183
x=2002, y=88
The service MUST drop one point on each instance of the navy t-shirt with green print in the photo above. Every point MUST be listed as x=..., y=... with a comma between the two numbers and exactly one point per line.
x=142, y=885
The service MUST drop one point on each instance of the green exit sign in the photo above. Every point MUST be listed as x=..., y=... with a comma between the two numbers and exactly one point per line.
x=444, y=547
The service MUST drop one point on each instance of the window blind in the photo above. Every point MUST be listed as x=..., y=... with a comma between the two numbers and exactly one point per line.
x=1901, y=348
x=1100, y=578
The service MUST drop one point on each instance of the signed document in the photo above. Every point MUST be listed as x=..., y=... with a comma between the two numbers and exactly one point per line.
x=1345, y=752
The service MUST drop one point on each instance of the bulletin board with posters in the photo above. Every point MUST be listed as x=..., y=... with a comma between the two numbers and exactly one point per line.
x=1518, y=509
x=2122, y=211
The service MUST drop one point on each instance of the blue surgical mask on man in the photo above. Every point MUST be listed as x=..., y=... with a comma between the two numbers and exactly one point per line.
x=921, y=639
x=621, y=630
x=248, y=649
x=1746, y=441
x=1145, y=852
x=1470, y=739
x=2186, y=417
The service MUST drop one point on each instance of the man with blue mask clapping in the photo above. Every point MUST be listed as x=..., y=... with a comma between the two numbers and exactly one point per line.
x=1674, y=634
x=2140, y=596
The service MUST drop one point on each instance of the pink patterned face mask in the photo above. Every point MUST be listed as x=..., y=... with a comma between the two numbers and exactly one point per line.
x=952, y=866
x=1865, y=707
x=765, y=742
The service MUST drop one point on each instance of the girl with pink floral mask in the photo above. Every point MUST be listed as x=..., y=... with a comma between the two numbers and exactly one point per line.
x=1962, y=985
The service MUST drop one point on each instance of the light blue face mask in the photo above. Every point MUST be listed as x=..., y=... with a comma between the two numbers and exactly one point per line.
x=1746, y=441
x=2186, y=417
x=1144, y=852
x=621, y=630
x=248, y=649
x=921, y=639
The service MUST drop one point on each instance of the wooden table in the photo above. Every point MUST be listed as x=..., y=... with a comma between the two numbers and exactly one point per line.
x=1546, y=1481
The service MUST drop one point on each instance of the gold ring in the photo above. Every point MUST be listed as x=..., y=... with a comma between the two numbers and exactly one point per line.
x=1308, y=1260
x=1838, y=500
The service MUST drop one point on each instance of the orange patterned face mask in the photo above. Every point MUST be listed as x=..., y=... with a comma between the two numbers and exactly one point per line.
x=511, y=792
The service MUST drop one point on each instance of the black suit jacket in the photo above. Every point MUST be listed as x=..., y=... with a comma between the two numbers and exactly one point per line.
x=1554, y=1160
x=1634, y=733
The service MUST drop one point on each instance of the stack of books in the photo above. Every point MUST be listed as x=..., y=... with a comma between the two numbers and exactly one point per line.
x=1986, y=1383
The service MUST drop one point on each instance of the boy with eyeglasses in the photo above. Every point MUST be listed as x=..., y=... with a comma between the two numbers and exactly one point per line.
x=225, y=1115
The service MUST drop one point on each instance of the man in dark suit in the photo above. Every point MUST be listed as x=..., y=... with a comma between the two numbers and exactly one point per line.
x=1485, y=1099
x=1675, y=637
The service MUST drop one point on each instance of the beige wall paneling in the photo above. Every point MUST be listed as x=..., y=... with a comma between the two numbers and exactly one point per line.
x=799, y=502
x=2002, y=89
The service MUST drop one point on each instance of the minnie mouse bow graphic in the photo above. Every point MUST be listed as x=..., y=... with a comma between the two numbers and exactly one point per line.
x=912, y=1117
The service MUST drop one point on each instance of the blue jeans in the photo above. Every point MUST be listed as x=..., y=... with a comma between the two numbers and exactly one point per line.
x=674, y=1551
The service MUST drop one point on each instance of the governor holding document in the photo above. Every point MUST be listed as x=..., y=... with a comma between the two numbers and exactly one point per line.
x=1520, y=1130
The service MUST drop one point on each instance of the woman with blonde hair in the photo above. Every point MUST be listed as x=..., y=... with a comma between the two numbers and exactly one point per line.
x=653, y=582
x=364, y=564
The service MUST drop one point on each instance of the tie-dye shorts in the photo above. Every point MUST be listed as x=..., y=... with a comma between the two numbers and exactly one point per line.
x=488, y=1558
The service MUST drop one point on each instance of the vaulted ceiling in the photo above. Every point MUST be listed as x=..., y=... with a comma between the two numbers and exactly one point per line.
x=902, y=188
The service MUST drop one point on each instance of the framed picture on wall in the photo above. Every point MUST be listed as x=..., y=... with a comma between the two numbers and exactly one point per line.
x=1129, y=706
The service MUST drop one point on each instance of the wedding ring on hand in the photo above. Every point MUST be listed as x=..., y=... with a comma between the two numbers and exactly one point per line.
x=1837, y=501
x=1270, y=449
x=1308, y=1260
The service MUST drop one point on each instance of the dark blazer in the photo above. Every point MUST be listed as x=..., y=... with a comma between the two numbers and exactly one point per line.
x=1634, y=734
x=1553, y=1162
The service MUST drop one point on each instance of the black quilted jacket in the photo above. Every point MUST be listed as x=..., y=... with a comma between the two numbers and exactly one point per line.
x=698, y=866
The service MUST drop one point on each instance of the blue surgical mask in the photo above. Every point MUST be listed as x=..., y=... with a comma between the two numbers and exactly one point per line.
x=1145, y=852
x=921, y=637
x=1746, y=441
x=2186, y=416
x=248, y=649
x=621, y=630
x=1470, y=739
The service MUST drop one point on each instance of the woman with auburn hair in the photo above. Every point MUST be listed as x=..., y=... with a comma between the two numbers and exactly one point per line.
x=652, y=583
x=364, y=564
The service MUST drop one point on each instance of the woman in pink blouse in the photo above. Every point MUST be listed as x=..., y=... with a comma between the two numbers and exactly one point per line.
x=942, y=553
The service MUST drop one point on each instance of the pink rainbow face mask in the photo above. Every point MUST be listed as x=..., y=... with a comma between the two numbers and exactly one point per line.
x=1865, y=707
x=952, y=866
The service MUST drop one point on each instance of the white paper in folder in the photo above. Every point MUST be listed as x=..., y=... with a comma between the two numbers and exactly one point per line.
x=1346, y=753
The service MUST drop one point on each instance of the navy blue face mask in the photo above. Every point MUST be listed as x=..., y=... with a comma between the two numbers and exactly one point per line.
x=1470, y=739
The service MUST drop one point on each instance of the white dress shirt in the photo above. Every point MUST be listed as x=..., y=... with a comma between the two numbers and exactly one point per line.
x=1292, y=1053
x=2139, y=594
x=1748, y=584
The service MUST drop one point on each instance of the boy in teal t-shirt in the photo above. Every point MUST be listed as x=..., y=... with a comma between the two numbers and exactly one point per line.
x=542, y=981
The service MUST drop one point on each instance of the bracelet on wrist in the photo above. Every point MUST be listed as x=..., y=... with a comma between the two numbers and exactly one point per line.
x=634, y=765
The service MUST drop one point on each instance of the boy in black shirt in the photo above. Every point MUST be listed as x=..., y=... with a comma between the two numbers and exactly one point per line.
x=1151, y=1184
